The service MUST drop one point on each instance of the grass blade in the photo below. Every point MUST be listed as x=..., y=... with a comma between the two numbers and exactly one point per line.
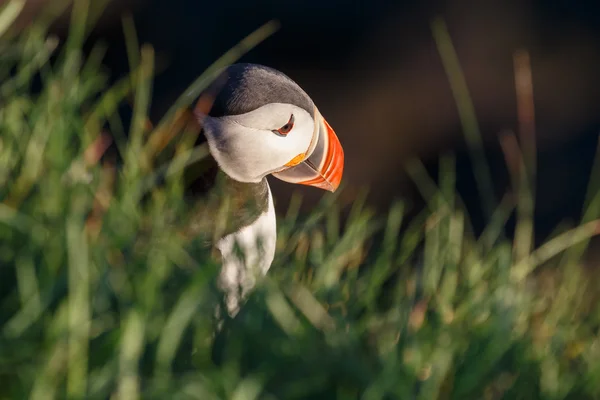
x=9, y=14
x=467, y=114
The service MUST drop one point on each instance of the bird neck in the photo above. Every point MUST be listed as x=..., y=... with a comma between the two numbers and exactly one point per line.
x=220, y=196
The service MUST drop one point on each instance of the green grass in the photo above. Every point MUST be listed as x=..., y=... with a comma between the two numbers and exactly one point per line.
x=101, y=297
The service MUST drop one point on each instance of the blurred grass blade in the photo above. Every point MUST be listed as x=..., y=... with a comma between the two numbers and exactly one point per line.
x=25, y=74
x=95, y=12
x=23, y=223
x=51, y=11
x=175, y=326
x=449, y=283
x=523, y=241
x=33, y=164
x=467, y=114
x=525, y=110
x=79, y=308
x=293, y=208
x=384, y=265
x=283, y=313
x=47, y=382
x=140, y=110
x=447, y=176
x=131, y=350
x=175, y=166
x=591, y=208
x=107, y=105
x=79, y=21
x=311, y=308
x=440, y=364
x=358, y=205
x=248, y=389
x=412, y=236
x=554, y=247
x=333, y=226
x=9, y=13
x=30, y=297
x=494, y=230
x=329, y=273
x=425, y=184
x=131, y=42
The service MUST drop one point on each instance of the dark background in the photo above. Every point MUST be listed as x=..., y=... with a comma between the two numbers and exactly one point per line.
x=373, y=70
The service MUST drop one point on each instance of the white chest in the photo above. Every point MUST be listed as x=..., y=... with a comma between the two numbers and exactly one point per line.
x=252, y=258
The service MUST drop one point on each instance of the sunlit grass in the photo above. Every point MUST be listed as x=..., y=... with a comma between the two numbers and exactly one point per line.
x=102, y=296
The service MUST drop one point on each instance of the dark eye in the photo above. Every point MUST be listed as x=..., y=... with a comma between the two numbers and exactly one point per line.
x=284, y=130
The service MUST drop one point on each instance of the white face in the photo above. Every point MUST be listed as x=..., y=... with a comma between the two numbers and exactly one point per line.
x=247, y=149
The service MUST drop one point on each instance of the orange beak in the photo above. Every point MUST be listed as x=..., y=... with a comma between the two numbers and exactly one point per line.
x=324, y=167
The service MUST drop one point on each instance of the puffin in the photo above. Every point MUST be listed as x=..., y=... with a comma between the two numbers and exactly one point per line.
x=260, y=123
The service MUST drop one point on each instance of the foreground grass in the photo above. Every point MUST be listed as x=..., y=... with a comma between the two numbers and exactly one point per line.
x=102, y=297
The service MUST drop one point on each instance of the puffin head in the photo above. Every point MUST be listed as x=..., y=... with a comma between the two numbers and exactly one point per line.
x=262, y=122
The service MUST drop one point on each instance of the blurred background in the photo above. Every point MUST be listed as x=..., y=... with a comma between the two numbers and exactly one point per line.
x=373, y=69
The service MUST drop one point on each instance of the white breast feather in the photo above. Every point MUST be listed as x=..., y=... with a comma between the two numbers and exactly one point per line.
x=257, y=243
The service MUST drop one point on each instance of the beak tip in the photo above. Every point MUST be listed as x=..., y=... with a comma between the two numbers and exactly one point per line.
x=334, y=184
x=335, y=174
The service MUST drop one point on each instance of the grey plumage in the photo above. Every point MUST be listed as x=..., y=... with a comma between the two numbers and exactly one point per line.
x=246, y=87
